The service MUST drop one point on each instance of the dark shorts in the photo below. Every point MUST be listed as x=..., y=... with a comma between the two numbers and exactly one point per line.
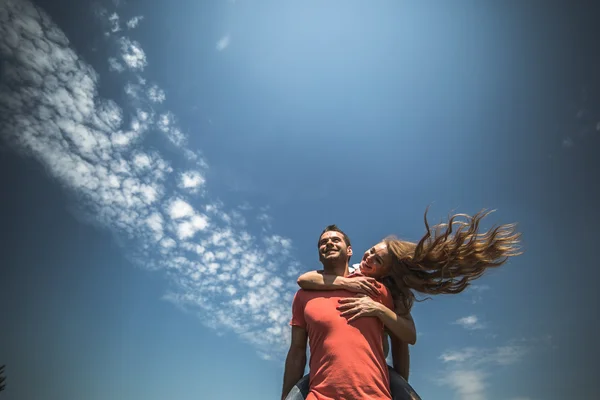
x=400, y=389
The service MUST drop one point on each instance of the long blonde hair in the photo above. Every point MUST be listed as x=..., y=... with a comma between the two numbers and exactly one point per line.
x=448, y=257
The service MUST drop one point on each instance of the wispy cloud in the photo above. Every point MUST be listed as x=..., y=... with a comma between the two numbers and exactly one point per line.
x=473, y=356
x=568, y=142
x=468, y=368
x=97, y=149
x=156, y=94
x=470, y=322
x=168, y=125
x=468, y=384
x=223, y=43
x=459, y=356
x=191, y=181
x=115, y=65
x=113, y=20
x=133, y=22
x=477, y=291
x=132, y=54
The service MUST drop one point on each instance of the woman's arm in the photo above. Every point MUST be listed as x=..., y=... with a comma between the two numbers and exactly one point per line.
x=401, y=326
x=318, y=280
x=400, y=357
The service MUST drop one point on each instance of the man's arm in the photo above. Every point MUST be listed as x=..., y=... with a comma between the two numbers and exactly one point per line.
x=319, y=280
x=400, y=357
x=295, y=361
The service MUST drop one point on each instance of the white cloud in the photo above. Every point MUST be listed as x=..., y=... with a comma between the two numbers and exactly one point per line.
x=156, y=94
x=168, y=243
x=473, y=356
x=133, y=90
x=155, y=222
x=459, y=356
x=507, y=355
x=114, y=65
x=265, y=219
x=230, y=290
x=471, y=322
x=133, y=22
x=276, y=243
x=167, y=124
x=97, y=149
x=468, y=384
x=469, y=367
x=223, y=43
x=191, y=180
x=478, y=291
x=114, y=23
x=176, y=137
x=187, y=229
x=142, y=161
x=568, y=142
x=132, y=54
x=180, y=209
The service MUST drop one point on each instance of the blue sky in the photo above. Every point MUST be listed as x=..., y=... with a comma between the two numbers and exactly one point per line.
x=166, y=172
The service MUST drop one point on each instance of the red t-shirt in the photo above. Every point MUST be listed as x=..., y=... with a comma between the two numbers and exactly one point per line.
x=346, y=359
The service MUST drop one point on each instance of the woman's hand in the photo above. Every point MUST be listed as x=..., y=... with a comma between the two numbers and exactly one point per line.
x=362, y=284
x=359, y=306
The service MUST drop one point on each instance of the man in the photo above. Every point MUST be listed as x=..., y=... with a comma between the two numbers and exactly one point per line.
x=347, y=358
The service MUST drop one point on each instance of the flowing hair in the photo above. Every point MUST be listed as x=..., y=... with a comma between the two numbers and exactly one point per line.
x=448, y=257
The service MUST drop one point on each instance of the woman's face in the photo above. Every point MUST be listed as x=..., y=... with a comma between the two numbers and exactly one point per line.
x=376, y=261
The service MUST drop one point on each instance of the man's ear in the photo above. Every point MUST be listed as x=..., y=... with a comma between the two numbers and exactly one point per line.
x=349, y=251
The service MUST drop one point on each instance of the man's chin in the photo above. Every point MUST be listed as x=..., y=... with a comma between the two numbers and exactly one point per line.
x=333, y=254
x=332, y=257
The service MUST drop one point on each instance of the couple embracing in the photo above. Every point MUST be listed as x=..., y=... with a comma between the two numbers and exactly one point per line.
x=347, y=312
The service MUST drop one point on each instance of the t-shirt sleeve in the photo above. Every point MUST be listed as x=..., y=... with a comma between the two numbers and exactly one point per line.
x=298, y=310
x=386, y=298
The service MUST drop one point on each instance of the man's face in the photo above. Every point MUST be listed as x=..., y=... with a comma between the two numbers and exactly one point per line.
x=332, y=247
x=376, y=261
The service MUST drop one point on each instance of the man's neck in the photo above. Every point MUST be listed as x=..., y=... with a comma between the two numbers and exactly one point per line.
x=336, y=269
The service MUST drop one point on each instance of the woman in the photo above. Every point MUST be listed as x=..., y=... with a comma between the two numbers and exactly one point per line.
x=446, y=259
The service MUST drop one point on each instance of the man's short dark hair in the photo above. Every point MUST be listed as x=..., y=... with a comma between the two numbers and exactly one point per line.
x=334, y=228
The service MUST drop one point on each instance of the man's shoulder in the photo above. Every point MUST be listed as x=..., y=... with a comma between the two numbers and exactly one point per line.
x=303, y=294
x=354, y=274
